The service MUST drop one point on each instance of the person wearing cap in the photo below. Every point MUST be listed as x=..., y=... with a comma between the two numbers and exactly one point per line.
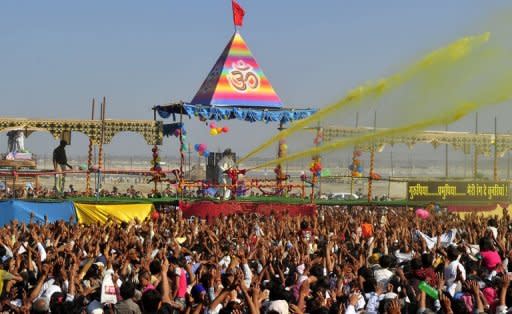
x=199, y=295
x=60, y=163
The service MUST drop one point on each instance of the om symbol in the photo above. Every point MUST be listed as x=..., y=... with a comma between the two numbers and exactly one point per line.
x=242, y=77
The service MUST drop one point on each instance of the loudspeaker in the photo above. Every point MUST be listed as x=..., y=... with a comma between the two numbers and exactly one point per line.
x=211, y=166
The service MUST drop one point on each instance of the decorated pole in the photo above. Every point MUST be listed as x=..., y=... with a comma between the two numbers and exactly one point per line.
x=372, y=161
x=316, y=165
x=100, y=149
x=154, y=162
x=182, y=153
x=354, y=159
x=90, y=156
x=281, y=152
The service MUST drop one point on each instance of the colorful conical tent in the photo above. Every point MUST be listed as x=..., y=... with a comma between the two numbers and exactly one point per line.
x=236, y=79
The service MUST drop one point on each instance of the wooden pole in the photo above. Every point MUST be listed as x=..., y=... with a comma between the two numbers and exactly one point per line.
x=446, y=156
x=475, y=158
x=392, y=170
x=14, y=182
x=372, y=160
x=465, y=164
x=189, y=152
x=495, y=161
x=508, y=165
x=90, y=156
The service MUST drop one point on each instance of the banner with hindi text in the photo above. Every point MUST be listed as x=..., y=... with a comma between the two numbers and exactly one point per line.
x=470, y=191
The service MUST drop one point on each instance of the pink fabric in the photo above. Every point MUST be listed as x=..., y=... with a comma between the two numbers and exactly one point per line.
x=490, y=295
x=468, y=301
x=422, y=213
x=182, y=284
x=148, y=287
x=491, y=259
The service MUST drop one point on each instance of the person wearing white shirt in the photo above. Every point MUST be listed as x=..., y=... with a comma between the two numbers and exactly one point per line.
x=383, y=274
x=454, y=271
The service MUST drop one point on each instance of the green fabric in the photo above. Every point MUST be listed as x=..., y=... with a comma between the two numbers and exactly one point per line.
x=4, y=276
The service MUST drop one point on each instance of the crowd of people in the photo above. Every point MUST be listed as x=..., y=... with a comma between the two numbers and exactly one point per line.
x=30, y=192
x=342, y=260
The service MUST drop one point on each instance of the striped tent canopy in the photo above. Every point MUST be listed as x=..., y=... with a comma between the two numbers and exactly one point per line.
x=236, y=79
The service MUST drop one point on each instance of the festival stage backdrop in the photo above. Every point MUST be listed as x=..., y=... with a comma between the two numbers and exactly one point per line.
x=472, y=191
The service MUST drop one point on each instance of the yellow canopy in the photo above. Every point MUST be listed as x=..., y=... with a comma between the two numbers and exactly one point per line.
x=93, y=213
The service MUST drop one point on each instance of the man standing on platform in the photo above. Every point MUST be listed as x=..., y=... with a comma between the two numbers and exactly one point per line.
x=60, y=162
x=224, y=164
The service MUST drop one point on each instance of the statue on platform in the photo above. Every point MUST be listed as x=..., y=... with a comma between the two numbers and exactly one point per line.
x=225, y=163
x=233, y=174
x=16, y=141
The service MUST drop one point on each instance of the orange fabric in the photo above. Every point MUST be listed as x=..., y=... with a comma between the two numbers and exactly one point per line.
x=367, y=230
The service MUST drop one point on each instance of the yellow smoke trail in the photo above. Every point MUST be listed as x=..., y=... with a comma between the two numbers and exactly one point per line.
x=368, y=137
x=497, y=92
x=439, y=58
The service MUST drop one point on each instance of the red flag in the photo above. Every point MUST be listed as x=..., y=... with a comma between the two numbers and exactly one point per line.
x=238, y=13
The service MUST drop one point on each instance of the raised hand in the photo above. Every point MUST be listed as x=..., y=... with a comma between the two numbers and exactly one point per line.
x=474, y=287
x=440, y=280
x=446, y=304
x=165, y=266
x=506, y=281
x=294, y=309
x=354, y=298
x=394, y=307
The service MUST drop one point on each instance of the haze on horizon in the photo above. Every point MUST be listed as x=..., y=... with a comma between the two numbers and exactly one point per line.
x=56, y=56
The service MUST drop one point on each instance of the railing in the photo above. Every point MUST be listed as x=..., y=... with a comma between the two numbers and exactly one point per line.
x=264, y=186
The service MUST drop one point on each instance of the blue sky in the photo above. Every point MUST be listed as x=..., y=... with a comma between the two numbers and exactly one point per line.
x=56, y=55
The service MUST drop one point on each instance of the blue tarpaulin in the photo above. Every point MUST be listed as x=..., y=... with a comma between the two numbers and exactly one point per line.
x=226, y=113
x=170, y=129
x=20, y=210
